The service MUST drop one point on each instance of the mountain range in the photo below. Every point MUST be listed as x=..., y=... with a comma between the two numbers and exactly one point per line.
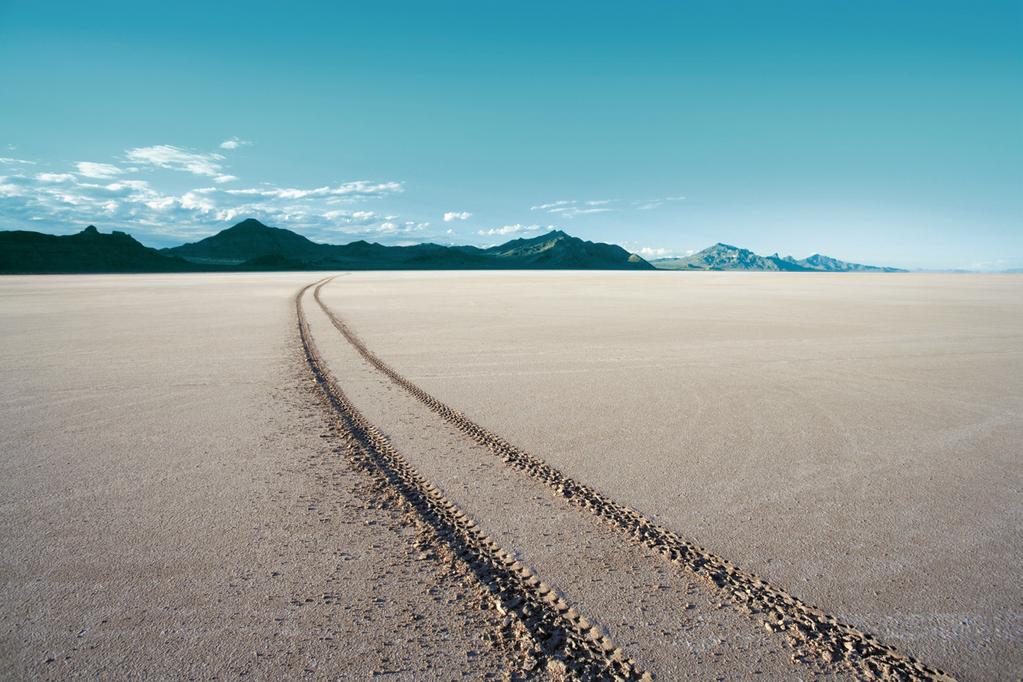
x=727, y=257
x=89, y=251
x=251, y=245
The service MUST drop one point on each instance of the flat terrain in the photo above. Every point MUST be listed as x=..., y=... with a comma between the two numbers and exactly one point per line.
x=171, y=509
x=180, y=501
x=853, y=439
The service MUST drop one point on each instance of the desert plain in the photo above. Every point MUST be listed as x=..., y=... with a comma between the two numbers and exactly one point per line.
x=181, y=500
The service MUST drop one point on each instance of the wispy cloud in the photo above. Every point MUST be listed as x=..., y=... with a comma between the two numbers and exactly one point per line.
x=456, y=215
x=553, y=204
x=655, y=252
x=570, y=208
x=650, y=204
x=355, y=218
x=68, y=201
x=55, y=177
x=115, y=196
x=234, y=143
x=178, y=159
x=514, y=229
x=102, y=171
x=406, y=227
x=9, y=161
x=357, y=189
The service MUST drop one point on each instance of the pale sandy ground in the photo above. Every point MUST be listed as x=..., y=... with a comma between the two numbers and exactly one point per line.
x=168, y=508
x=852, y=438
x=667, y=619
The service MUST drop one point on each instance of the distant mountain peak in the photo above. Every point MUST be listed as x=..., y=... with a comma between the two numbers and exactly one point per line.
x=87, y=251
x=250, y=224
x=723, y=256
x=250, y=243
x=245, y=241
x=553, y=235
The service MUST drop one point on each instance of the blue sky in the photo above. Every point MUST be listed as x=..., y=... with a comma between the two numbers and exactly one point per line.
x=888, y=132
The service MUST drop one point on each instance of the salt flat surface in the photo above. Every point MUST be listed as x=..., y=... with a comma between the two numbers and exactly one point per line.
x=168, y=508
x=671, y=622
x=851, y=438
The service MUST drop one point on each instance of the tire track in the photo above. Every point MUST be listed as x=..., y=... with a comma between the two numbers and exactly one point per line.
x=557, y=634
x=812, y=633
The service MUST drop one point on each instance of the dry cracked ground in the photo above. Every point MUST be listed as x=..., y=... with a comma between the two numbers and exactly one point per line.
x=511, y=475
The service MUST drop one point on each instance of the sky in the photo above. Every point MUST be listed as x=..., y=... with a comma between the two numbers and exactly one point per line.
x=873, y=131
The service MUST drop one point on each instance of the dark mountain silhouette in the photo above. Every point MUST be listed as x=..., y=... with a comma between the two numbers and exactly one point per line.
x=559, y=250
x=246, y=241
x=251, y=245
x=88, y=251
x=828, y=264
x=728, y=257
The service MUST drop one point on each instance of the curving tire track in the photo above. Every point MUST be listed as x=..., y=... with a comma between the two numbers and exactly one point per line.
x=813, y=634
x=558, y=634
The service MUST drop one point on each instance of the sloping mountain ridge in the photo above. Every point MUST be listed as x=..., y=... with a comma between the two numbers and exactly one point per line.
x=89, y=251
x=251, y=245
x=828, y=264
x=722, y=256
x=560, y=250
x=245, y=241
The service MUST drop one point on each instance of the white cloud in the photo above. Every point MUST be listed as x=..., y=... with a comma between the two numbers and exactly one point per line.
x=200, y=202
x=161, y=203
x=8, y=189
x=102, y=171
x=553, y=204
x=123, y=185
x=55, y=177
x=402, y=228
x=178, y=159
x=234, y=143
x=655, y=252
x=344, y=219
x=569, y=208
x=572, y=211
x=456, y=215
x=11, y=161
x=649, y=204
x=514, y=229
x=358, y=189
x=99, y=193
